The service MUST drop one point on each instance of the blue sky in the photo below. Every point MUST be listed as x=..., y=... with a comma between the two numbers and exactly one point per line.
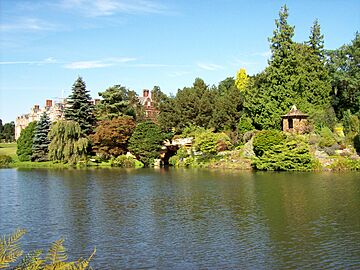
x=45, y=45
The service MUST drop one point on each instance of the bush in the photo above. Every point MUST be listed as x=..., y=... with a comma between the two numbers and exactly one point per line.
x=327, y=137
x=5, y=160
x=209, y=143
x=245, y=125
x=345, y=164
x=323, y=118
x=124, y=162
x=25, y=142
x=266, y=139
x=174, y=161
x=145, y=143
x=289, y=155
x=314, y=139
x=339, y=135
x=351, y=123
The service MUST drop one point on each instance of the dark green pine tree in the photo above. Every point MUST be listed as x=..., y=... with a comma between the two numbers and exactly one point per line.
x=316, y=40
x=79, y=107
x=273, y=91
x=41, y=142
x=281, y=41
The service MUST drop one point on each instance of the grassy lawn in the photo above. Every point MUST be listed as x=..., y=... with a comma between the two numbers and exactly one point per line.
x=9, y=149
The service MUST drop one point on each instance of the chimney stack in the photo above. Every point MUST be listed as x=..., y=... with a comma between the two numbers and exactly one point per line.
x=145, y=93
x=48, y=103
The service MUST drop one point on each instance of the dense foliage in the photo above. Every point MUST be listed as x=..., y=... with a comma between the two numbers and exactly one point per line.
x=117, y=101
x=267, y=139
x=145, y=142
x=111, y=136
x=5, y=161
x=40, y=141
x=295, y=75
x=289, y=154
x=323, y=84
x=79, y=107
x=25, y=142
x=208, y=143
x=68, y=144
x=125, y=161
x=344, y=68
x=202, y=106
x=7, y=131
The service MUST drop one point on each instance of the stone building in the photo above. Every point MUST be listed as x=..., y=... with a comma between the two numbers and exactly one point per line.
x=55, y=111
x=146, y=101
x=295, y=121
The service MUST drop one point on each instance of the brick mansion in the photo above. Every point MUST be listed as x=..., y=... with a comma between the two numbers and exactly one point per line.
x=55, y=111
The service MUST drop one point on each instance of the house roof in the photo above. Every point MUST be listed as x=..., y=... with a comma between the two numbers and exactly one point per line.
x=294, y=112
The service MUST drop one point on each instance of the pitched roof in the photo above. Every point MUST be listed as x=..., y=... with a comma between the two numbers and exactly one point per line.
x=294, y=112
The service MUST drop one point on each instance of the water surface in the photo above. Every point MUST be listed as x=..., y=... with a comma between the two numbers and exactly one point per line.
x=188, y=219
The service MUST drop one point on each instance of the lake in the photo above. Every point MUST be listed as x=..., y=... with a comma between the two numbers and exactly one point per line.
x=187, y=219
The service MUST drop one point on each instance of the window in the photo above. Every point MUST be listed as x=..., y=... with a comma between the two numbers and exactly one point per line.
x=291, y=124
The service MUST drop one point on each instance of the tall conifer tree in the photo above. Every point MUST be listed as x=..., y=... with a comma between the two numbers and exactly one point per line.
x=79, y=107
x=281, y=41
x=41, y=141
x=273, y=93
x=316, y=40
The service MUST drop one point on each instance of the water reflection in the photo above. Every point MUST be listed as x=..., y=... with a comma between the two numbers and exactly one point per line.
x=188, y=218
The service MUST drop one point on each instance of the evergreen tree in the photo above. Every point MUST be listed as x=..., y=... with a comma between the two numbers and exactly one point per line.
x=316, y=40
x=295, y=75
x=79, y=107
x=117, y=101
x=158, y=97
x=8, y=132
x=25, y=142
x=145, y=142
x=41, y=142
x=191, y=106
x=271, y=93
x=344, y=68
x=228, y=103
x=281, y=41
x=168, y=117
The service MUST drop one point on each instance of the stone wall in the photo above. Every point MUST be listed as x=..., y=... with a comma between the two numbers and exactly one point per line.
x=299, y=125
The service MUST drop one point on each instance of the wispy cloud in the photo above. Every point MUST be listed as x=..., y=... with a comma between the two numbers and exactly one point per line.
x=27, y=24
x=75, y=64
x=95, y=8
x=49, y=60
x=179, y=73
x=98, y=63
x=210, y=67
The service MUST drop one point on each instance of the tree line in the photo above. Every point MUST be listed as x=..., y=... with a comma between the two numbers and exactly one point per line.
x=7, y=132
x=325, y=84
